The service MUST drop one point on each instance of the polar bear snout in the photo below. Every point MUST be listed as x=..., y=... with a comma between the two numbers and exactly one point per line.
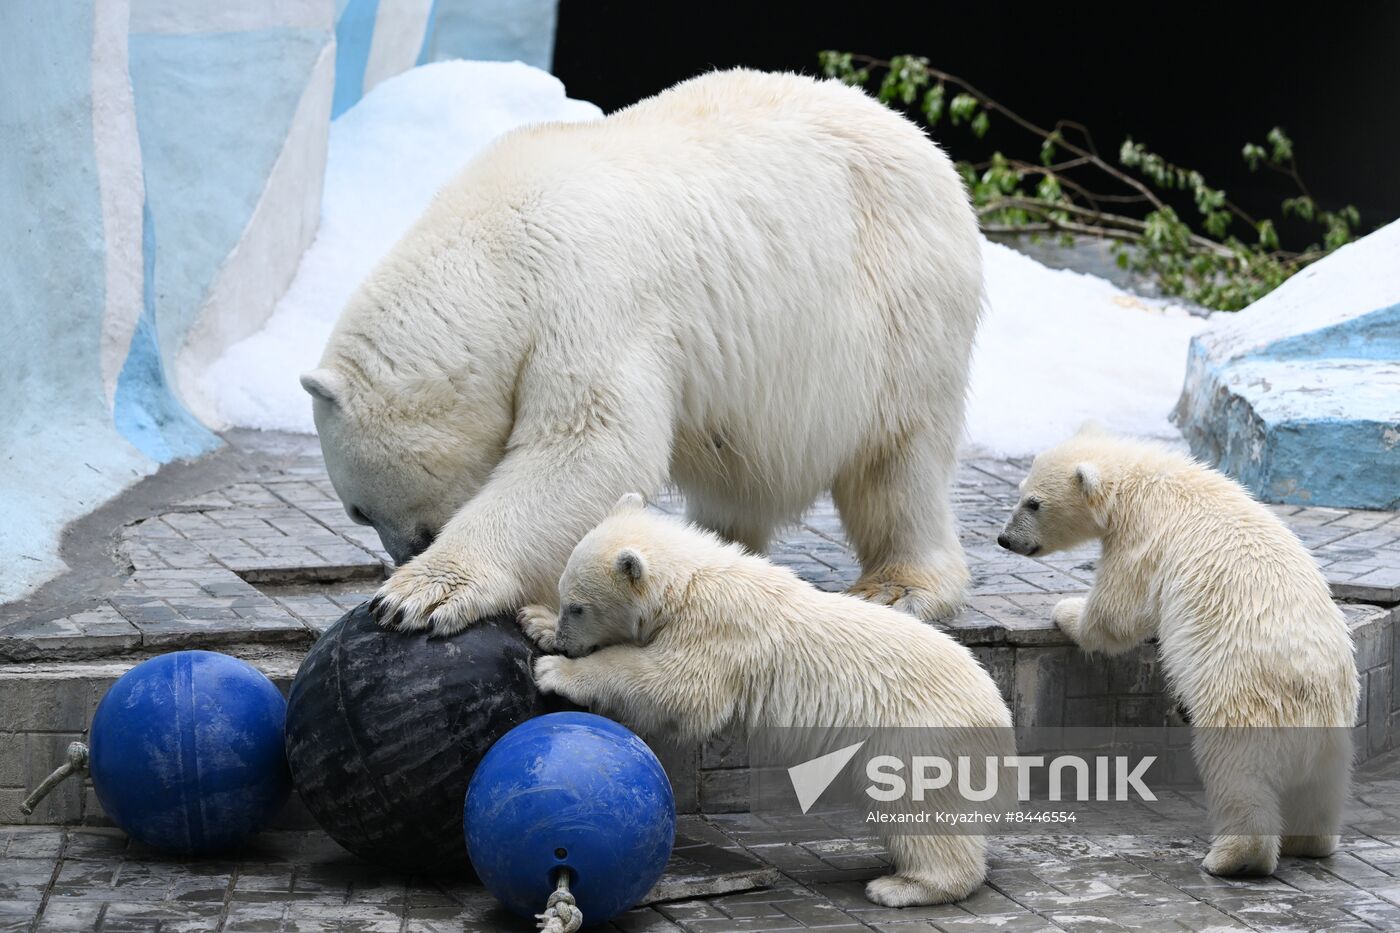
x=403, y=548
x=1021, y=534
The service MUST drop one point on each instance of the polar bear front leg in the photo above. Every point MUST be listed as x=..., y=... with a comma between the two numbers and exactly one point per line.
x=647, y=689
x=1112, y=619
x=540, y=624
x=509, y=543
x=894, y=505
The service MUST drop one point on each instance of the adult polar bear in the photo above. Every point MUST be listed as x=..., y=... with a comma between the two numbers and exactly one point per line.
x=761, y=286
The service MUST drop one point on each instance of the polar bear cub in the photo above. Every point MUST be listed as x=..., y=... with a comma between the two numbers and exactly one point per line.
x=1249, y=637
x=671, y=629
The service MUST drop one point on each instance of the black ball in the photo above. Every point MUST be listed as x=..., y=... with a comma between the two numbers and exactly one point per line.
x=385, y=729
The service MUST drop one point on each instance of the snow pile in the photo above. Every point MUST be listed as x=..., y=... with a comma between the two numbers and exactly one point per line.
x=1055, y=349
x=388, y=156
x=1058, y=348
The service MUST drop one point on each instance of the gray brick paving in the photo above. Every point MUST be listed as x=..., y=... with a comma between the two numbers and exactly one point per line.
x=274, y=558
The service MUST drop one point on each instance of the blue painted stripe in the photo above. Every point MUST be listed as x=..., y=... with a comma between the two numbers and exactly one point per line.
x=428, y=28
x=354, y=32
x=145, y=410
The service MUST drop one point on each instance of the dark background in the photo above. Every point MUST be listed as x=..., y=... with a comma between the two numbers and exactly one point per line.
x=1193, y=81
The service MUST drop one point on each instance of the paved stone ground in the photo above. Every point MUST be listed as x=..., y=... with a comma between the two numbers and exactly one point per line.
x=94, y=879
x=267, y=557
x=237, y=564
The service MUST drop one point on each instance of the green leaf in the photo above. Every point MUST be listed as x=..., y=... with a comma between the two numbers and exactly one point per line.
x=1301, y=207
x=1280, y=145
x=980, y=124
x=1253, y=155
x=1268, y=236
x=933, y=104
x=962, y=108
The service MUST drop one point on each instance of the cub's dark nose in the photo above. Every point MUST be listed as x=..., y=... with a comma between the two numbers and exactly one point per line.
x=1004, y=541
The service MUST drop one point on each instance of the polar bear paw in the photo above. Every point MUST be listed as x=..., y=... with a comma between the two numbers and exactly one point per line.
x=1067, y=613
x=438, y=594
x=905, y=891
x=552, y=675
x=1310, y=846
x=540, y=624
x=917, y=594
x=1242, y=855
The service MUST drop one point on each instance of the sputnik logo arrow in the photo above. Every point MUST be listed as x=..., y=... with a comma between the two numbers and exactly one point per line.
x=811, y=778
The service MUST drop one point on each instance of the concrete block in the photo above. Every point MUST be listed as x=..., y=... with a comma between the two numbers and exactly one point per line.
x=1038, y=697
x=723, y=791
x=1298, y=395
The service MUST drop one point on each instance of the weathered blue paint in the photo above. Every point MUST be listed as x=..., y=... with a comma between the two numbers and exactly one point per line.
x=61, y=454
x=354, y=33
x=145, y=409
x=575, y=791
x=186, y=752
x=495, y=30
x=213, y=111
x=1374, y=336
x=1308, y=419
x=428, y=29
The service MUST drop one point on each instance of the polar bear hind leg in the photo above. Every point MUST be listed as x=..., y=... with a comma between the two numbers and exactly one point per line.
x=930, y=870
x=1313, y=808
x=894, y=506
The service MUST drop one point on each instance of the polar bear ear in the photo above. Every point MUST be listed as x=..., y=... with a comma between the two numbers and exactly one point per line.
x=630, y=502
x=324, y=384
x=1087, y=475
x=631, y=565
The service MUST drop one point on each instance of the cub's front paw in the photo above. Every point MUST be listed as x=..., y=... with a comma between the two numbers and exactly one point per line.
x=540, y=624
x=1067, y=613
x=551, y=674
x=442, y=593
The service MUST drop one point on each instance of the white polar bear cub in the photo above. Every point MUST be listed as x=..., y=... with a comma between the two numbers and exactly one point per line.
x=671, y=629
x=758, y=286
x=1248, y=635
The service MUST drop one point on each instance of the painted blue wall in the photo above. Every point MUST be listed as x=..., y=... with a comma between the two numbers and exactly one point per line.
x=354, y=32
x=61, y=454
x=495, y=30
x=213, y=110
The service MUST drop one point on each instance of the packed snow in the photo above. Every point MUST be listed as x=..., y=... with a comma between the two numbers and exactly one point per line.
x=1056, y=348
x=388, y=155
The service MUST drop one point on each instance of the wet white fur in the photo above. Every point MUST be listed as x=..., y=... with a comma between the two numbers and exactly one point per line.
x=692, y=633
x=1247, y=632
x=759, y=286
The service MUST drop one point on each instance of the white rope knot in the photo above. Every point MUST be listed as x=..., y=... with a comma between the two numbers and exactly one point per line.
x=561, y=914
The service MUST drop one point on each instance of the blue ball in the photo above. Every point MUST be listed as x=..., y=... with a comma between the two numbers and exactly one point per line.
x=186, y=752
x=575, y=791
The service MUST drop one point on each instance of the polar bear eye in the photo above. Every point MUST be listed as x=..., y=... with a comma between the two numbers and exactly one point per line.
x=1033, y=505
x=575, y=611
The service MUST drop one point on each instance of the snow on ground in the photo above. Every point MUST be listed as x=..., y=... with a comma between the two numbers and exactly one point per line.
x=1058, y=348
x=1055, y=349
x=388, y=156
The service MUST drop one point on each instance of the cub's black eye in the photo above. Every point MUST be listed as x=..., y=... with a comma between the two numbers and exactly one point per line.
x=1033, y=505
x=575, y=611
